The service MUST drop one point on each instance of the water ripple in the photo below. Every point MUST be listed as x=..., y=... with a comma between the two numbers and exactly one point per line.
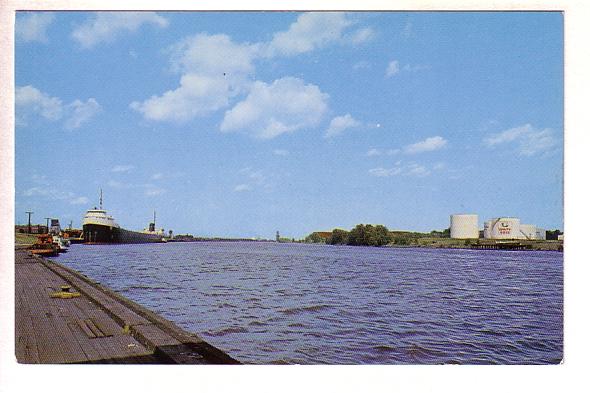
x=292, y=303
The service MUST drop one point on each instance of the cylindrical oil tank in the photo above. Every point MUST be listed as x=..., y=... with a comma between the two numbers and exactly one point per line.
x=528, y=232
x=487, y=229
x=464, y=226
x=540, y=234
x=505, y=228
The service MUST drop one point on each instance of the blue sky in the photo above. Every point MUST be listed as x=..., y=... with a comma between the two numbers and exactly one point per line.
x=241, y=124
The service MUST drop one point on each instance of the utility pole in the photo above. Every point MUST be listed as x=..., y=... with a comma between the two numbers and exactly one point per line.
x=29, y=213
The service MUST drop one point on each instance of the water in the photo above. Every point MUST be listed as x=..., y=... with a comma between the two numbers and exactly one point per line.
x=309, y=304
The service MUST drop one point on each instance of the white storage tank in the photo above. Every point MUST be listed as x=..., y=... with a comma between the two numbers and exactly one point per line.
x=528, y=232
x=464, y=226
x=541, y=234
x=487, y=229
x=504, y=228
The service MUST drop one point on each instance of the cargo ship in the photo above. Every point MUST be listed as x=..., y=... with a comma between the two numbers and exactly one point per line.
x=100, y=228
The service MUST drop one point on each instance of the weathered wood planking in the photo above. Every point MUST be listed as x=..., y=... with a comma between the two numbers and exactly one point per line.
x=90, y=328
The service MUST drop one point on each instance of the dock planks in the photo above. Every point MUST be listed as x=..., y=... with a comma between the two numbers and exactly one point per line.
x=99, y=326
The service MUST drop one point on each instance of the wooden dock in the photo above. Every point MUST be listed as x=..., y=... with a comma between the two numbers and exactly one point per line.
x=95, y=324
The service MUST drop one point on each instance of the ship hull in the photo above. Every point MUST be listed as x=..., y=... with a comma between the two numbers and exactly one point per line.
x=105, y=234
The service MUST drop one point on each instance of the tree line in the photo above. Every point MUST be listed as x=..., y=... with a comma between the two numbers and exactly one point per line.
x=360, y=235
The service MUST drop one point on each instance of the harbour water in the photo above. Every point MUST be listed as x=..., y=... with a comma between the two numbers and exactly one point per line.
x=269, y=303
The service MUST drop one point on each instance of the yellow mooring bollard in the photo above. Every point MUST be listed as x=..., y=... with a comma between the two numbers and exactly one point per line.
x=65, y=293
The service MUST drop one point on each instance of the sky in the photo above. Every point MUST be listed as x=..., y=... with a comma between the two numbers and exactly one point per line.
x=241, y=124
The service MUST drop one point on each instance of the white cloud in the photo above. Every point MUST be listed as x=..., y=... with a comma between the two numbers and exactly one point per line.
x=30, y=100
x=80, y=112
x=341, y=123
x=374, y=152
x=280, y=152
x=429, y=144
x=197, y=95
x=284, y=106
x=392, y=68
x=213, y=55
x=312, y=30
x=122, y=168
x=362, y=35
x=417, y=170
x=157, y=176
x=33, y=26
x=214, y=69
x=530, y=141
x=105, y=26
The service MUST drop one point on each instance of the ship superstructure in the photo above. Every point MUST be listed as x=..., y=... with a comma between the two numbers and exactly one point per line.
x=99, y=227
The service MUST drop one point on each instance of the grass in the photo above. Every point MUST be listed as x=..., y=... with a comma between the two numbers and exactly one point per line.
x=24, y=239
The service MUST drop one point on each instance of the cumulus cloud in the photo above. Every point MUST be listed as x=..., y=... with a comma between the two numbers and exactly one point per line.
x=33, y=26
x=392, y=68
x=269, y=110
x=197, y=95
x=215, y=70
x=529, y=140
x=429, y=144
x=213, y=55
x=80, y=112
x=311, y=31
x=31, y=98
x=362, y=35
x=341, y=123
x=106, y=26
x=31, y=101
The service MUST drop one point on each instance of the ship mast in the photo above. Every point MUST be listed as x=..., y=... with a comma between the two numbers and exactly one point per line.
x=100, y=199
x=154, y=220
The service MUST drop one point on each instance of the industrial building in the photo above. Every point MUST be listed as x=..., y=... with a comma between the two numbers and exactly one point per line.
x=464, y=226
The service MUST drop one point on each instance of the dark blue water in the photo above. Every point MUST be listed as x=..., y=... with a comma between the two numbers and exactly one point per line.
x=295, y=303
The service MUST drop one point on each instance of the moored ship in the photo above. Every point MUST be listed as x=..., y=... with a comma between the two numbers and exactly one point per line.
x=99, y=227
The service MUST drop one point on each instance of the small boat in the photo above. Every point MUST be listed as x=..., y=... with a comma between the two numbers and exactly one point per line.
x=61, y=242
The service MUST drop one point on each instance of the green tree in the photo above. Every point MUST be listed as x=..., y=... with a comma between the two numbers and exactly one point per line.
x=338, y=236
x=314, y=238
